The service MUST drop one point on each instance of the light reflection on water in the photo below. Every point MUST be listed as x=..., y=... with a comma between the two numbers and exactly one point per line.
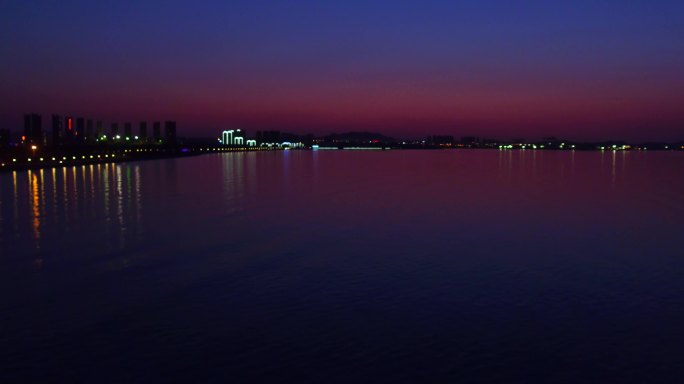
x=67, y=198
x=324, y=266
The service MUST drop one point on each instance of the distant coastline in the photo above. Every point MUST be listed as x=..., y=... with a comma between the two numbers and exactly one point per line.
x=81, y=141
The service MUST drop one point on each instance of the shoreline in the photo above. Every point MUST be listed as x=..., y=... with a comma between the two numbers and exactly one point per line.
x=86, y=156
x=96, y=155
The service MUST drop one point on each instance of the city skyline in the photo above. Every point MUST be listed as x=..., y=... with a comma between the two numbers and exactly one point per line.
x=584, y=71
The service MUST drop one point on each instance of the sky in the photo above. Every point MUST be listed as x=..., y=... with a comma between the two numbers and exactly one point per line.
x=584, y=70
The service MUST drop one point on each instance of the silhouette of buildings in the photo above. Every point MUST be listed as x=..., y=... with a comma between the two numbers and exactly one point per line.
x=142, y=131
x=33, y=129
x=445, y=141
x=69, y=130
x=156, y=132
x=170, y=132
x=4, y=138
x=99, y=130
x=90, y=131
x=470, y=141
x=57, y=130
x=80, y=129
x=268, y=137
x=128, y=131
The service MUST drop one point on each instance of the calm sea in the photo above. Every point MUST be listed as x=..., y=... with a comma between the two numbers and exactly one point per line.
x=346, y=266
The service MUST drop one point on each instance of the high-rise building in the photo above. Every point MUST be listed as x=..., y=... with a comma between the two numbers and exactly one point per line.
x=128, y=131
x=143, y=131
x=99, y=129
x=156, y=132
x=57, y=130
x=80, y=130
x=69, y=130
x=114, y=131
x=4, y=138
x=170, y=132
x=90, y=132
x=33, y=129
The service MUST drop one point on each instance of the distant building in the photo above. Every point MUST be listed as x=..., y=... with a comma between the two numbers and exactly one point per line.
x=268, y=137
x=440, y=140
x=143, y=131
x=170, y=132
x=33, y=129
x=57, y=130
x=90, y=131
x=114, y=131
x=156, y=132
x=99, y=129
x=69, y=130
x=470, y=141
x=239, y=138
x=80, y=129
x=128, y=131
x=4, y=138
x=233, y=137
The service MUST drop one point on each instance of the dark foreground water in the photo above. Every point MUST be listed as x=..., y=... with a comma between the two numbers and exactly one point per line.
x=417, y=266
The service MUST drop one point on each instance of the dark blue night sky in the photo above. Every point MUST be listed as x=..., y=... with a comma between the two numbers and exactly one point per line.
x=578, y=69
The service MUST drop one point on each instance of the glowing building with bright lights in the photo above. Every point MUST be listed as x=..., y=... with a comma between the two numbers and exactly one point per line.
x=233, y=137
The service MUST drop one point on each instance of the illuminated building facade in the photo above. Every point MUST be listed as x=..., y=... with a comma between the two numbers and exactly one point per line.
x=233, y=137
